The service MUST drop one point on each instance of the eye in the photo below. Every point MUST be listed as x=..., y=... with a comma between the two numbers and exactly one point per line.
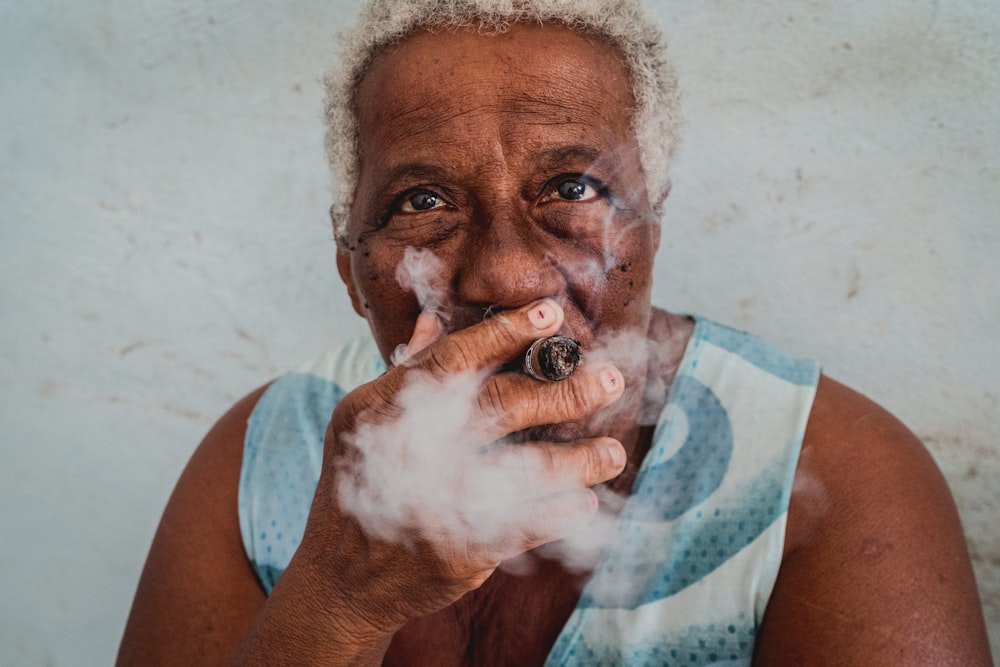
x=421, y=200
x=573, y=188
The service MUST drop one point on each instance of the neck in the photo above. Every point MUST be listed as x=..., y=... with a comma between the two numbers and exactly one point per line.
x=668, y=336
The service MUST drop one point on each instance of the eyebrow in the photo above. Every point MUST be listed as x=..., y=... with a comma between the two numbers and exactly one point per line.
x=412, y=171
x=420, y=170
x=550, y=159
x=553, y=157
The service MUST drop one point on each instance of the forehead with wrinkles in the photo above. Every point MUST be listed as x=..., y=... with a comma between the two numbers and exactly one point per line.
x=536, y=83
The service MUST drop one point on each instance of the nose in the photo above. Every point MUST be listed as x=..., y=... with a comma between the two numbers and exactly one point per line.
x=508, y=265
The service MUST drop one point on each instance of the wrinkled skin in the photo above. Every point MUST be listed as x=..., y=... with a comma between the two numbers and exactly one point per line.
x=511, y=158
x=527, y=186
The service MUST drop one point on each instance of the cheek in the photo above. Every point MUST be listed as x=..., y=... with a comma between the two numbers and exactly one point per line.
x=630, y=281
x=630, y=285
x=391, y=311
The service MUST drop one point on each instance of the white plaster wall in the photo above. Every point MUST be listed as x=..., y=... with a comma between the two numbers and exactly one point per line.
x=164, y=247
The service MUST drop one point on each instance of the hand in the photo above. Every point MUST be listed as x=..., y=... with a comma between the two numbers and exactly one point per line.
x=420, y=499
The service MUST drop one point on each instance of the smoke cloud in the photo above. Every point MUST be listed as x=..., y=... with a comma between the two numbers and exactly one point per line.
x=421, y=272
x=433, y=474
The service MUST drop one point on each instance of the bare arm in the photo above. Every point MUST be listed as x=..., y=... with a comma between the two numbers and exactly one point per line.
x=199, y=601
x=198, y=595
x=346, y=591
x=876, y=570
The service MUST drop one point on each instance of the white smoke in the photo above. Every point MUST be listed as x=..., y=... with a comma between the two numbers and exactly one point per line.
x=433, y=474
x=421, y=272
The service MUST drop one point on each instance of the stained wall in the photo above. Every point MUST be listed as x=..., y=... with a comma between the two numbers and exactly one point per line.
x=164, y=247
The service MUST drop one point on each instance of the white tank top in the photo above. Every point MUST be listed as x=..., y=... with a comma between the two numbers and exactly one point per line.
x=699, y=542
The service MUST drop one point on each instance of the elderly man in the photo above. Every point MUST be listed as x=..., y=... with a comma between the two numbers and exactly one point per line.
x=689, y=495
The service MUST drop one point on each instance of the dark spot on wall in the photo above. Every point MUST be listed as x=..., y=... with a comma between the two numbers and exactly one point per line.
x=48, y=388
x=136, y=345
x=184, y=413
x=854, y=282
x=242, y=333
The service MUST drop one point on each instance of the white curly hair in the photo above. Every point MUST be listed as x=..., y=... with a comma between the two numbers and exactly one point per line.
x=623, y=23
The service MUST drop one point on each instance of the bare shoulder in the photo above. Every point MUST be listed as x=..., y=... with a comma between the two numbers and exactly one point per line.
x=198, y=594
x=875, y=566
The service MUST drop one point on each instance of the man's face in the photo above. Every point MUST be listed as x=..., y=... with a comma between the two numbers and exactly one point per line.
x=511, y=158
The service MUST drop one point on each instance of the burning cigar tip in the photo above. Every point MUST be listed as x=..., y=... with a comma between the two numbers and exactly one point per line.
x=552, y=359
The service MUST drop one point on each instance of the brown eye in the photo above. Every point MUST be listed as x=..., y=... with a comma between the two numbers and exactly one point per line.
x=574, y=188
x=420, y=201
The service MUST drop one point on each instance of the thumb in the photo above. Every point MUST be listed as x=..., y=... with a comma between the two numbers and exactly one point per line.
x=427, y=329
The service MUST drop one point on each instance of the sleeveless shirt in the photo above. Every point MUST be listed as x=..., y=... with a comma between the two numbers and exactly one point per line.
x=698, y=543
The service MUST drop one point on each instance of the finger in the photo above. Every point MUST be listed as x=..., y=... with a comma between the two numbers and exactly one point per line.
x=547, y=520
x=510, y=402
x=427, y=329
x=495, y=341
x=544, y=468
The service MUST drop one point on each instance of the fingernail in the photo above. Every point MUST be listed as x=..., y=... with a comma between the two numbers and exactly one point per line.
x=611, y=379
x=615, y=455
x=542, y=314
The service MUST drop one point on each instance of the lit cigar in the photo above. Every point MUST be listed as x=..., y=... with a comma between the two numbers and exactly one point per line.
x=552, y=359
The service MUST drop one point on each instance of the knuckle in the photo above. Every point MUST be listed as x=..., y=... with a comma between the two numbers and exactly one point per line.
x=535, y=530
x=549, y=462
x=450, y=356
x=594, y=461
x=556, y=517
x=498, y=412
x=505, y=332
x=502, y=336
x=439, y=362
x=376, y=399
x=574, y=399
x=491, y=402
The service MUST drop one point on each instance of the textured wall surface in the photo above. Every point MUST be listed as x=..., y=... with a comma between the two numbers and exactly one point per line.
x=164, y=247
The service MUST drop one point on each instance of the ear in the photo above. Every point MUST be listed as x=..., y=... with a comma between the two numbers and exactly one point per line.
x=661, y=196
x=658, y=213
x=344, y=269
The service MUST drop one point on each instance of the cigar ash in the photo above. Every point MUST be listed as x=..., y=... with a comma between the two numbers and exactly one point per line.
x=552, y=359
